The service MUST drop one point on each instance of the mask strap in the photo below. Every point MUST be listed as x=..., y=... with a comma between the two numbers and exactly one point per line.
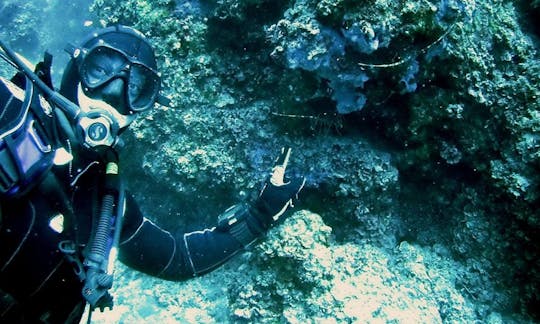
x=71, y=50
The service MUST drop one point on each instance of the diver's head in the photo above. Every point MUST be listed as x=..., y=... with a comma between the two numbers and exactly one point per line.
x=112, y=77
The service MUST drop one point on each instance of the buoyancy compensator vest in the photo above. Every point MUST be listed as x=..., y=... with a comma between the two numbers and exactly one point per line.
x=26, y=145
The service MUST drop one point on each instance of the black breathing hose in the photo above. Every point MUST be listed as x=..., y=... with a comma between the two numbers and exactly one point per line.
x=105, y=238
x=102, y=235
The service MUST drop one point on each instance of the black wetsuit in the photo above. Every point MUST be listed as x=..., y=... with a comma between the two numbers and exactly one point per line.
x=38, y=282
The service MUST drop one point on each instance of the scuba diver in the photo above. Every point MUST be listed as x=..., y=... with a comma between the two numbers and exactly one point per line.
x=65, y=214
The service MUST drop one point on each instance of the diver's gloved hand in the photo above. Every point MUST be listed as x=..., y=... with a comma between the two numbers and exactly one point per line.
x=277, y=194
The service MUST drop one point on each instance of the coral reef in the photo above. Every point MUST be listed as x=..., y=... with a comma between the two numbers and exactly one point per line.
x=300, y=274
x=363, y=50
x=414, y=121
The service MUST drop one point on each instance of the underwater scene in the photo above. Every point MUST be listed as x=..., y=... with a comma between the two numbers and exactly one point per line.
x=416, y=124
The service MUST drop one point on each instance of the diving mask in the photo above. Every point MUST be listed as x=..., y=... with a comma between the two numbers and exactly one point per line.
x=103, y=63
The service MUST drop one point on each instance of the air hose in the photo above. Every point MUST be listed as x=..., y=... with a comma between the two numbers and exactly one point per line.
x=99, y=246
x=104, y=242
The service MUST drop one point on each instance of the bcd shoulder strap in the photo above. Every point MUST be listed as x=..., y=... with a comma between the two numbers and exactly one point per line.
x=26, y=151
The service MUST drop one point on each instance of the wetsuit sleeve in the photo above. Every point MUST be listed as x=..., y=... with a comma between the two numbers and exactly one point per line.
x=148, y=248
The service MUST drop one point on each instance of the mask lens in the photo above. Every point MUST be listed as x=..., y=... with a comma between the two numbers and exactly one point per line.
x=100, y=65
x=143, y=87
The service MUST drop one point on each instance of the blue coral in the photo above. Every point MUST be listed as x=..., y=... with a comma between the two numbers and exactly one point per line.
x=365, y=38
x=321, y=54
x=346, y=91
x=318, y=53
x=452, y=10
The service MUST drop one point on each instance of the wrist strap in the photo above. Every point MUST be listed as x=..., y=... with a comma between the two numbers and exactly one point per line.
x=241, y=224
x=243, y=234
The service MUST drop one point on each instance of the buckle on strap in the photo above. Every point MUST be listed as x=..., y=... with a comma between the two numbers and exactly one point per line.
x=36, y=138
x=69, y=248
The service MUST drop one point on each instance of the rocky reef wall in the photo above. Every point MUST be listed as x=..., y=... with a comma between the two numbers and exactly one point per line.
x=415, y=122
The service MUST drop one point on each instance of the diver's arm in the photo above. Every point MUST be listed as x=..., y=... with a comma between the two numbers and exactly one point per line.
x=152, y=250
x=157, y=252
x=146, y=247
